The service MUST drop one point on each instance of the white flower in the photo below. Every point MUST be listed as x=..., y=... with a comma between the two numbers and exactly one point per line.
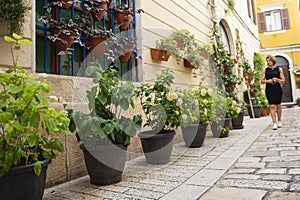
x=234, y=103
x=238, y=110
x=205, y=101
x=179, y=102
x=205, y=111
x=203, y=92
x=172, y=96
x=184, y=117
x=53, y=98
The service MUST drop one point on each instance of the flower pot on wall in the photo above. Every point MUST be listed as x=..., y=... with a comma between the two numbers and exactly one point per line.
x=157, y=148
x=100, y=11
x=63, y=42
x=123, y=19
x=187, y=64
x=180, y=44
x=194, y=134
x=204, y=54
x=157, y=54
x=97, y=46
x=125, y=57
x=22, y=183
x=65, y=3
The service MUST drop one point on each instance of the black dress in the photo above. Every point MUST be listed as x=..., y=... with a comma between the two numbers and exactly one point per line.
x=273, y=90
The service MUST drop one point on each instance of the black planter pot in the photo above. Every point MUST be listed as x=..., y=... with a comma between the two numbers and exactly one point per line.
x=194, y=134
x=237, y=123
x=105, y=164
x=256, y=109
x=216, y=130
x=21, y=183
x=157, y=147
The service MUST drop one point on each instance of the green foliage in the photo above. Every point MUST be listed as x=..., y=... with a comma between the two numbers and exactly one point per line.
x=233, y=108
x=196, y=105
x=160, y=103
x=27, y=122
x=223, y=67
x=13, y=12
x=298, y=100
x=107, y=99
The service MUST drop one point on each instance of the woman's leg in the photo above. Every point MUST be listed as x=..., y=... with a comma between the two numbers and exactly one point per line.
x=273, y=112
x=279, y=111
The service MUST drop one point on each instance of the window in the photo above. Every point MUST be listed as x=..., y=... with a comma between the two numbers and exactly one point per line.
x=224, y=37
x=274, y=20
x=52, y=59
x=251, y=10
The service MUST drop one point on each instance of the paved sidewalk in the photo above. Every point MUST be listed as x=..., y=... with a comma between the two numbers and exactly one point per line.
x=252, y=163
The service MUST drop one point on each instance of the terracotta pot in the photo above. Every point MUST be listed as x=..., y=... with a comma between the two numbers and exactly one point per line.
x=157, y=54
x=98, y=15
x=187, y=64
x=264, y=112
x=65, y=4
x=125, y=57
x=63, y=42
x=123, y=19
x=204, y=54
x=98, y=48
x=250, y=78
x=180, y=44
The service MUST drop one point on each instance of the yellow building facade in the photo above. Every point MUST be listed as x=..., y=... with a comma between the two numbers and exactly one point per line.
x=278, y=25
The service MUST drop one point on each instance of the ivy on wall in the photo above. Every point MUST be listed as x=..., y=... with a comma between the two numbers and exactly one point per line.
x=13, y=13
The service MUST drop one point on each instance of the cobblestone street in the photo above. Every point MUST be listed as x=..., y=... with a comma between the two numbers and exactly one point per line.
x=255, y=162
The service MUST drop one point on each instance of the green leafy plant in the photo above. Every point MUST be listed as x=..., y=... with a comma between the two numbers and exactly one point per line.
x=13, y=12
x=233, y=108
x=108, y=99
x=298, y=100
x=27, y=122
x=223, y=66
x=167, y=44
x=182, y=35
x=196, y=105
x=160, y=103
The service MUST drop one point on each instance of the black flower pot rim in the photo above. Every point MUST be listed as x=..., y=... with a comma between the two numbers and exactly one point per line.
x=155, y=134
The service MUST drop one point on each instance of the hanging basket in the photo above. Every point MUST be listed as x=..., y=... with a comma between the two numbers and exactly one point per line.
x=125, y=57
x=100, y=11
x=98, y=47
x=157, y=54
x=63, y=42
x=187, y=64
x=65, y=3
x=123, y=19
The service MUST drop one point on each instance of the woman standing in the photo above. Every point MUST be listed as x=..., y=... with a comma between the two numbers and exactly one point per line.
x=273, y=77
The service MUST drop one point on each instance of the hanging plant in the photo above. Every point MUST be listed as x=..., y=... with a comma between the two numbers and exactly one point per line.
x=13, y=12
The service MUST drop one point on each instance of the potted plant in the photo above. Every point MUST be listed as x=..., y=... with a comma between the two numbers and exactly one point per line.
x=98, y=43
x=192, y=59
x=28, y=129
x=96, y=7
x=237, y=120
x=182, y=37
x=195, y=114
x=298, y=101
x=124, y=14
x=220, y=122
x=14, y=12
x=161, y=108
x=164, y=47
x=256, y=103
x=104, y=133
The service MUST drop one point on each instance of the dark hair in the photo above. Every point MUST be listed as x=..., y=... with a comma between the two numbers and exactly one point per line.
x=272, y=58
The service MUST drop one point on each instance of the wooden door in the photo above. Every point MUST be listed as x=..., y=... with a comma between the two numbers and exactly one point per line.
x=286, y=88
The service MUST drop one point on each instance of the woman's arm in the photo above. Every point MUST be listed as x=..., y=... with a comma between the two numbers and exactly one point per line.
x=282, y=78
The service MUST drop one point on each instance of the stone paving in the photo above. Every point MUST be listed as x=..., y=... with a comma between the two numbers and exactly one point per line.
x=252, y=163
x=269, y=169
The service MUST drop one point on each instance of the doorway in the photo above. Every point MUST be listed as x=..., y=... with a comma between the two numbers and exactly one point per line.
x=287, y=87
